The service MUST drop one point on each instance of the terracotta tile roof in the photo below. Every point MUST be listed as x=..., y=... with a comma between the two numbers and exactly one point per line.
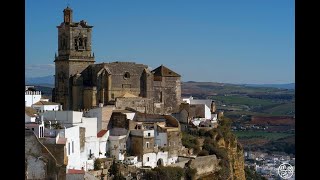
x=128, y=95
x=164, y=72
x=75, y=171
x=45, y=103
x=101, y=133
x=30, y=111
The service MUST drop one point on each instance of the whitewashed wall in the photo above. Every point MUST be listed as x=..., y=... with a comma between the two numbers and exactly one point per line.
x=73, y=134
x=96, y=112
x=207, y=112
x=29, y=119
x=149, y=159
x=46, y=107
x=31, y=97
x=68, y=117
x=103, y=142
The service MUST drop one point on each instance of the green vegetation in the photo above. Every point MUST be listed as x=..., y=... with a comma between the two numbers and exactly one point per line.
x=190, y=141
x=97, y=164
x=166, y=173
x=286, y=144
x=243, y=100
x=251, y=174
x=261, y=134
x=281, y=109
x=190, y=173
x=114, y=171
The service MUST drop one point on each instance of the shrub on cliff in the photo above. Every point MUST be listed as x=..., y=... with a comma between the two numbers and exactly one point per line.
x=159, y=173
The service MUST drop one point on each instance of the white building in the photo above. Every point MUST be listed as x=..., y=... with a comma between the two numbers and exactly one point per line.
x=38, y=129
x=73, y=149
x=103, y=115
x=31, y=97
x=82, y=145
x=206, y=108
x=42, y=106
x=81, y=148
x=117, y=146
x=103, y=136
x=30, y=115
x=131, y=160
x=155, y=159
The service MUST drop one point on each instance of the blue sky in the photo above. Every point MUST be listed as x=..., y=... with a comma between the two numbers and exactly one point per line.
x=230, y=41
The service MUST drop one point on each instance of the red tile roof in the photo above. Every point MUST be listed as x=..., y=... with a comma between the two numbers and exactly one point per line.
x=75, y=171
x=45, y=103
x=30, y=111
x=101, y=133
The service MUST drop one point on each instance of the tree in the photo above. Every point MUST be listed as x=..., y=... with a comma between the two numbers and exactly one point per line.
x=97, y=164
x=115, y=171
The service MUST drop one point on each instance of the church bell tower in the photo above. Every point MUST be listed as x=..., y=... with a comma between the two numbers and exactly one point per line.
x=74, y=55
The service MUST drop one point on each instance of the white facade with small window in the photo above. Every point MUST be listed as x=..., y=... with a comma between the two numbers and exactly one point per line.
x=31, y=97
x=155, y=159
x=149, y=159
x=42, y=108
x=73, y=147
x=28, y=118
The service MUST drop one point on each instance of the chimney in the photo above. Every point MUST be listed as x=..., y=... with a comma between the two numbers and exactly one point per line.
x=213, y=107
x=100, y=104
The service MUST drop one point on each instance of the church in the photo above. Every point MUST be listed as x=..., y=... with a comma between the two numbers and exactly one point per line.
x=81, y=84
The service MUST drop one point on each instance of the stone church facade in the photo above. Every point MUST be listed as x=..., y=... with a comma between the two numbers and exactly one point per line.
x=82, y=84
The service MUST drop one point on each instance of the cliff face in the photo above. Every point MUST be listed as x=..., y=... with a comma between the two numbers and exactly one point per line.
x=221, y=142
x=235, y=157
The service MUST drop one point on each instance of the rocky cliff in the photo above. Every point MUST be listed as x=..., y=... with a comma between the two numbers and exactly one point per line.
x=235, y=158
x=223, y=143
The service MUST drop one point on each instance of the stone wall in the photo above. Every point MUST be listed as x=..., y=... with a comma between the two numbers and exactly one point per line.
x=205, y=165
x=40, y=162
x=140, y=104
x=168, y=91
x=119, y=120
x=174, y=143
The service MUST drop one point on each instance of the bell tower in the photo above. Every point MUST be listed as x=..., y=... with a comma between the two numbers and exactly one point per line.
x=67, y=15
x=74, y=55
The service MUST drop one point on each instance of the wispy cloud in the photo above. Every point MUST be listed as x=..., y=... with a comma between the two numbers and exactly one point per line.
x=38, y=70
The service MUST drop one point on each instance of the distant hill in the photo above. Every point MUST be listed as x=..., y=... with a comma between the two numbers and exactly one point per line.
x=280, y=86
x=47, y=81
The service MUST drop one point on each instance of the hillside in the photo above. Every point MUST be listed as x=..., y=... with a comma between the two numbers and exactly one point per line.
x=45, y=80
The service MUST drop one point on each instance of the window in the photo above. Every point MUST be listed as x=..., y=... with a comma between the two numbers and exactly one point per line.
x=68, y=148
x=147, y=143
x=126, y=75
x=148, y=159
x=149, y=134
x=72, y=146
x=32, y=129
